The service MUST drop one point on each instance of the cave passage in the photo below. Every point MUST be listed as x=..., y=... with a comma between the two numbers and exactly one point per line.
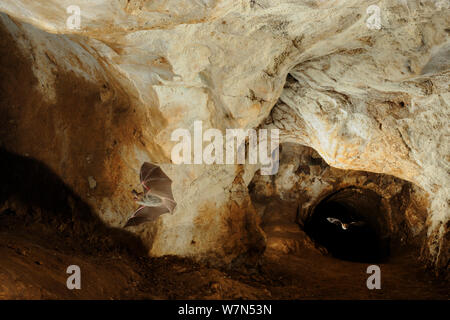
x=349, y=225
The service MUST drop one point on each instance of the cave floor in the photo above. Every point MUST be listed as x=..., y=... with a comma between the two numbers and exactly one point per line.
x=33, y=266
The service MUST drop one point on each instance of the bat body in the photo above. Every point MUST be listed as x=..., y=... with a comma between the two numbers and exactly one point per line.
x=345, y=226
x=149, y=200
x=157, y=198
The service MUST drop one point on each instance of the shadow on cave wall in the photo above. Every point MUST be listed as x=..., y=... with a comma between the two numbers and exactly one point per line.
x=81, y=124
x=31, y=193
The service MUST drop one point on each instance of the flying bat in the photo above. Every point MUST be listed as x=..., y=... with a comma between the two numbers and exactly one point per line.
x=345, y=226
x=157, y=197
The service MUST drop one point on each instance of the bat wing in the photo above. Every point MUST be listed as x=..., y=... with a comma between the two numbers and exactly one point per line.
x=144, y=214
x=335, y=221
x=357, y=223
x=155, y=180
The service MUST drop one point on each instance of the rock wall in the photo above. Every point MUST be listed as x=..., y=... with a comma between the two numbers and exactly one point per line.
x=94, y=103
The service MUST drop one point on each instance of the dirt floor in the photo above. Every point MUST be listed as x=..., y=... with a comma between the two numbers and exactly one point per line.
x=34, y=259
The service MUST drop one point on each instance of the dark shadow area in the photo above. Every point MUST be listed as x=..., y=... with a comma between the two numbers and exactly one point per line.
x=46, y=200
x=349, y=224
x=33, y=199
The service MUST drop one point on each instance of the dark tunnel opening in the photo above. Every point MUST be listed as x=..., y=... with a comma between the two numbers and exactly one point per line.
x=350, y=225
